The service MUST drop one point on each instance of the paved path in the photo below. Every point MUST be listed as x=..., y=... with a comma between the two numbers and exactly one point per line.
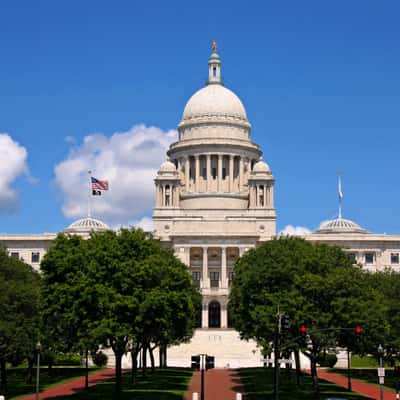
x=72, y=386
x=363, y=388
x=220, y=384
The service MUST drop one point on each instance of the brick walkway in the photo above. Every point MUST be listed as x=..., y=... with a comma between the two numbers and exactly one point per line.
x=72, y=386
x=363, y=388
x=220, y=384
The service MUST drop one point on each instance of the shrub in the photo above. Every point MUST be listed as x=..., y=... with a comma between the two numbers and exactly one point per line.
x=100, y=359
x=327, y=360
x=68, y=359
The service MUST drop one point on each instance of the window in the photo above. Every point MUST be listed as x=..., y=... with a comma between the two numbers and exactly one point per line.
x=196, y=278
x=230, y=278
x=394, y=258
x=214, y=279
x=223, y=173
x=35, y=257
x=369, y=258
x=352, y=257
x=214, y=173
x=15, y=254
x=214, y=72
x=204, y=174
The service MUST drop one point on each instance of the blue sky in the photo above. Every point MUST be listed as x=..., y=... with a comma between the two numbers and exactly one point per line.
x=320, y=82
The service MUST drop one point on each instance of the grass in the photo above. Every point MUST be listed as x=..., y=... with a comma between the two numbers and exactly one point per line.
x=16, y=379
x=370, y=376
x=259, y=384
x=363, y=362
x=163, y=384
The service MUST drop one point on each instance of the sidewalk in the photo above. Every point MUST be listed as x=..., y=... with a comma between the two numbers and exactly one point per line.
x=363, y=388
x=72, y=386
x=220, y=384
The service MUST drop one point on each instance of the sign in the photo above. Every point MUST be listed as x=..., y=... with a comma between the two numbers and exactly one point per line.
x=381, y=380
x=381, y=372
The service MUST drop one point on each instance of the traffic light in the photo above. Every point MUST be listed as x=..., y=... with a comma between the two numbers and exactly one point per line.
x=285, y=323
x=196, y=362
x=210, y=362
x=303, y=330
x=358, y=330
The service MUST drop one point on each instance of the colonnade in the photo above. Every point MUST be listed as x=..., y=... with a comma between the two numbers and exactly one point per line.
x=167, y=195
x=213, y=172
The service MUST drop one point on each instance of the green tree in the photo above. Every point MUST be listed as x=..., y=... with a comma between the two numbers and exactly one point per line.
x=306, y=281
x=19, y=311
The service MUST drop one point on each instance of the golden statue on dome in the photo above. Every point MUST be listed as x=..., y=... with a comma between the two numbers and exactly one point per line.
x=214, y=46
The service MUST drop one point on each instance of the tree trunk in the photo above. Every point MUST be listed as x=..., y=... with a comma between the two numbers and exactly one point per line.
x=144, y=358
x=86, y=369
x=3, y=375
x=29, y=371
x=348, y=370
x=314, y=374
x=164, y=351
x=151, y=358
x=118, y=373
x=298, y=367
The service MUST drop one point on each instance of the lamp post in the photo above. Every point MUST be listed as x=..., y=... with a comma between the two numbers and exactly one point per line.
x=380, y=351
x=38, y=349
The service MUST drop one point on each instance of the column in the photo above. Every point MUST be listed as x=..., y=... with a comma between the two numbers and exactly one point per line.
x=219, y=173
x=240, y=173
x=266, y=204
x=224, y=277
x=271, y=191
x=197, y=176
x=204, y=315
x=224, y=315
x=205, y=283
x=187, y=167
x=230, y=174
x=208, y=173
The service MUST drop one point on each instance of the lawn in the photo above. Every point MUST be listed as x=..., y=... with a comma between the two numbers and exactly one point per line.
x=370, y=375
x=163, y=384
x=17, y=385
x=259, y=385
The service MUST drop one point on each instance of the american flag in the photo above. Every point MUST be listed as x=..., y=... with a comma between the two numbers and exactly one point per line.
x=97, y=184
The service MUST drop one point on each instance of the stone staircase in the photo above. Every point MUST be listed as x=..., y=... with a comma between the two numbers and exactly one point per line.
x=224, y=344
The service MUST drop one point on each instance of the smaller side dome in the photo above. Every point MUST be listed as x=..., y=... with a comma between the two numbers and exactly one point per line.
x=261, y=167
x=340, y=225
x=167, y=166
x=86, y=225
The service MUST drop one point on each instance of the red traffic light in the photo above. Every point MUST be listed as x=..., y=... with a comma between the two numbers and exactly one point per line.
x=358, y=330
x=303, y=329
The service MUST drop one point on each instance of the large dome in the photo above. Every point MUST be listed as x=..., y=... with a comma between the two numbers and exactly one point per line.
x=214, y=100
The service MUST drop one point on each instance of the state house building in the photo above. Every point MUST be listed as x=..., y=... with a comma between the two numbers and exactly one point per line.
x=214, y=200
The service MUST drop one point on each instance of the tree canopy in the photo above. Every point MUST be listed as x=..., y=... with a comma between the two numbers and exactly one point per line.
x=316, y=284
x=117, y=288
x=19, y=311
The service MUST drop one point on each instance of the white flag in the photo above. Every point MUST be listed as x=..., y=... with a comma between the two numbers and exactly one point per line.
x=340, y=188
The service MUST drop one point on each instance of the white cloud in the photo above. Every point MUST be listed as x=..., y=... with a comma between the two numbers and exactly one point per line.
x=13, y=163
x=128, y=160
x=291, y=230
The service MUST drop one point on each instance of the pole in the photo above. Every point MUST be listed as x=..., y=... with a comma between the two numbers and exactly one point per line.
x=276, y=355
x=380, y=384
x=348, y=370
x=89, y=194
x=37, y=374
x=202, y=367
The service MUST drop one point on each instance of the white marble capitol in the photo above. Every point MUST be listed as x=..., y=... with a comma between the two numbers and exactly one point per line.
x=214, y=201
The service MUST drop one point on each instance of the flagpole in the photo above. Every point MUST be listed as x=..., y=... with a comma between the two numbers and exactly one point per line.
x=89, y=193
x=340, y=194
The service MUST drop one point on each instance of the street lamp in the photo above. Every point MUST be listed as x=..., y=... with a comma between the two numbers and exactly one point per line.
x=380, y=352
x=38, y=349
